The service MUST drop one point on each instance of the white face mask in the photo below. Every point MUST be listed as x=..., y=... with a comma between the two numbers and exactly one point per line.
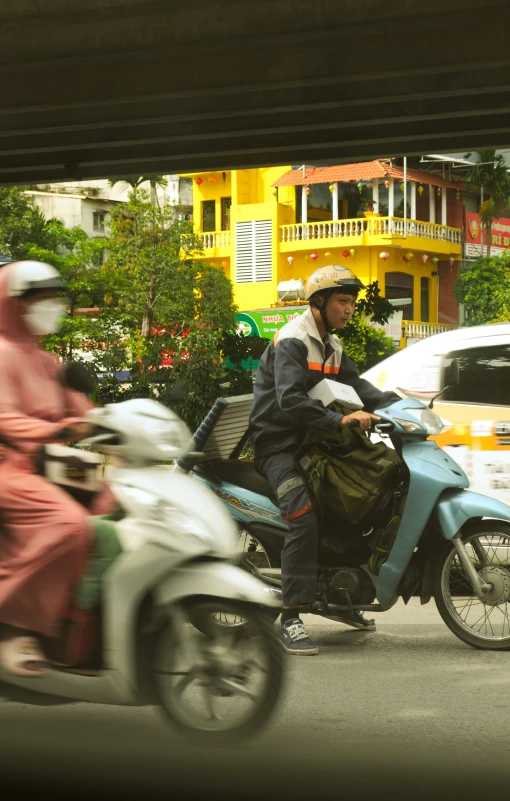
x=44, y=316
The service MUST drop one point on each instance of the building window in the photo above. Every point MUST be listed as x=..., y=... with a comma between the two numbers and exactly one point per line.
x=98, y=221
x=424, y=300
x=484, y=376
x=253, y=251
x=226, y=203
x=208, y=215
x=398, y=286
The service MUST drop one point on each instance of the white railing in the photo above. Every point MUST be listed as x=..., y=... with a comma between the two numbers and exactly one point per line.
x=322, y=230
x=210, y=239
x=215, y=239
x=423, y=330
x=373, y=226
x=394, y=226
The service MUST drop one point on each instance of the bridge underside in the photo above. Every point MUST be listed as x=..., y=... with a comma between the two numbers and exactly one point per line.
x=121, y=87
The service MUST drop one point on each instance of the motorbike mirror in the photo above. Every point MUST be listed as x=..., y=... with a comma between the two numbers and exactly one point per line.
x=453, y=373
x=76, y=376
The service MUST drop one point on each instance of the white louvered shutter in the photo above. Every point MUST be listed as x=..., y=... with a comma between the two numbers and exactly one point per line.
x=253, y=251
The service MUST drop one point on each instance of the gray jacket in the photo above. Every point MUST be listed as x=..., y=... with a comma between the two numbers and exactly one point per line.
x=295, y=361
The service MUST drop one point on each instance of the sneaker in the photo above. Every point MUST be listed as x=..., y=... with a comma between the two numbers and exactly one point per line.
x=356, y=620
x=294, y=639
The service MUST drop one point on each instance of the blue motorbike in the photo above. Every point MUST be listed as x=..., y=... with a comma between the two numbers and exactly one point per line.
x=430, y=537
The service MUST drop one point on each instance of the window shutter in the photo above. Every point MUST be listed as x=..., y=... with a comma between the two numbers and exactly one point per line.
x=253, y=251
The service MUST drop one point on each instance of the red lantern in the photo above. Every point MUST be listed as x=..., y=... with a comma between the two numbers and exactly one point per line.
x=308, y=190
x=438, y=191
x=387, y=184
x=345, y=254
x=313, y=256
x=199, y=181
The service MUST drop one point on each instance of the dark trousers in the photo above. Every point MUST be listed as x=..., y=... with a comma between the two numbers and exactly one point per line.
x=299, y=555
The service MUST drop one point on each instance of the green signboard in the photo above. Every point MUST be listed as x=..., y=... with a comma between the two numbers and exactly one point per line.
x=266, y=322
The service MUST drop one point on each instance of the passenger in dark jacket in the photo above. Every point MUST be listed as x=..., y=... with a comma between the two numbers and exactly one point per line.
x=301, y=354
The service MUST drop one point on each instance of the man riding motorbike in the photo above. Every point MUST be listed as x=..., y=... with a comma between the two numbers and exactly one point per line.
x=45, y=537
x=301, y=354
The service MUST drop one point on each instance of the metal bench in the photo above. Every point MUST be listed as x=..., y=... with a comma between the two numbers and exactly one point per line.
x=222, y=433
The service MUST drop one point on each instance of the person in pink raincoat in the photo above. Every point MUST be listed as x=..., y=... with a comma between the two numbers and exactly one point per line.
x=45, y=535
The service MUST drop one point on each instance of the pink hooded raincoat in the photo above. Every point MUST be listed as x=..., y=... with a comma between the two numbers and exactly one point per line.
x=44, y=538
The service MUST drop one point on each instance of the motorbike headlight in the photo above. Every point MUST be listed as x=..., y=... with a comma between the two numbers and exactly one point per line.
x=425, y=419
x=154, y=508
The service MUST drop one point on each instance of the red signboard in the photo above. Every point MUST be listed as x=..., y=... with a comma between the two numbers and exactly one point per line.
x=476, y=236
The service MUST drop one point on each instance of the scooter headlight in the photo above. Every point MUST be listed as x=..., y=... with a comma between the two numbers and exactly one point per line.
x=425, y=419
x=152, y=507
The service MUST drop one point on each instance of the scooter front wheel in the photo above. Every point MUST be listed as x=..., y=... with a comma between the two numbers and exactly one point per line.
x=251, y=556
x=217, y=685
x=483, y=623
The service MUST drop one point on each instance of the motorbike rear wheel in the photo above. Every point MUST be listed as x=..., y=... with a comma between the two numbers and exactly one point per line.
x=484, y=625
x=206, y=683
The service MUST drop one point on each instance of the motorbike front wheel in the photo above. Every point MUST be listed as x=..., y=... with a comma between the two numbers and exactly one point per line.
x=217, y=685
x=251, y=555
x=483, y=624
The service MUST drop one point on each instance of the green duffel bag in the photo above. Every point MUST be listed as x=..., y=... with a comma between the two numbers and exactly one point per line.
x=346, y=471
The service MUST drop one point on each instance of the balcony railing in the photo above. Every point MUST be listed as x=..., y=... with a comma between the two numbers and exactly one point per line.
x=215, y=239
x=370, y=227
x=322, y=230
x=415, y=330
x=210, y=239
x=394, y=226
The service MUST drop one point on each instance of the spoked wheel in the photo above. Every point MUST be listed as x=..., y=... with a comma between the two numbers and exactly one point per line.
x=485, y=623
x=251, y=555
x=220, y=687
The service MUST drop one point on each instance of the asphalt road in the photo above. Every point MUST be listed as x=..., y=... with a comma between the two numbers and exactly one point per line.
x=408, y=711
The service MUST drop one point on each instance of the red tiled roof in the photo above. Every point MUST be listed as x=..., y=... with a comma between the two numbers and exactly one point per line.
x=364, y=171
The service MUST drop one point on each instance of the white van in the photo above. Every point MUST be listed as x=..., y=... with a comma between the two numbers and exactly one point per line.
x=476, y=414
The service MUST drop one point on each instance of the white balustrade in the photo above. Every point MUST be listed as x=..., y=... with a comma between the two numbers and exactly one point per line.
x=423, y=330
x=375, y=226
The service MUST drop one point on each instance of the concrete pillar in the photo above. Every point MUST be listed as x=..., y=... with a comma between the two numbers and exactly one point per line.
x=432, y=203
x=391, y=198
x=413, y=200
x=375, y=196
x=335, y=201
x=304, y=206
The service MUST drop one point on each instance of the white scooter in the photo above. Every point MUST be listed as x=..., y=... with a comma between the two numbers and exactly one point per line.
x=160, y=599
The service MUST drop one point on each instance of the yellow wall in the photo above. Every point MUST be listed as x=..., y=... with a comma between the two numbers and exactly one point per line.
x=253, y=198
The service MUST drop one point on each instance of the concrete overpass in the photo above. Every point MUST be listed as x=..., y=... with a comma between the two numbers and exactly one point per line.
x=117, y=87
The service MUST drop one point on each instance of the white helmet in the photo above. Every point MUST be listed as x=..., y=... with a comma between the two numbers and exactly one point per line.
x=31, y=276
x=148, y=431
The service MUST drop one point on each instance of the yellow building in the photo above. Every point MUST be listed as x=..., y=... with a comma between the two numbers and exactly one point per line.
x=270, y=226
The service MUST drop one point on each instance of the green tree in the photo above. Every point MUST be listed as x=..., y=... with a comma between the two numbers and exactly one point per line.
x=490, y=175
x=22, y=224
x=365, y=344
x=135, y=182
x=177, y=310
x=85, y=337
x=484, y=288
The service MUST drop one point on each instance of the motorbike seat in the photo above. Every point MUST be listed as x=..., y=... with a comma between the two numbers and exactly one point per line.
x=242, y=474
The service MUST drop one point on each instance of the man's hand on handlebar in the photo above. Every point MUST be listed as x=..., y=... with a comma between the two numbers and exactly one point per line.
x=362, y=419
